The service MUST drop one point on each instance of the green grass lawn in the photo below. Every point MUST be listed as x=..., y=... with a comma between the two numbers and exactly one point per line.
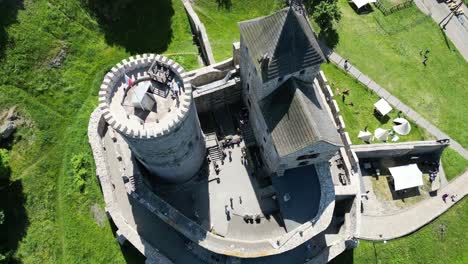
x=48, y=216
x=221, y=17
x=453, y=163
x=361, y=114
x=386, y=48
x=442, y=241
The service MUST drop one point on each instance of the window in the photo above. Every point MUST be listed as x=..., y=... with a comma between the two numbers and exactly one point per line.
x=264, y=140
x=305, y=157
x=302, y=72
x=248, y=101
x=303, y=163
x=248, y=87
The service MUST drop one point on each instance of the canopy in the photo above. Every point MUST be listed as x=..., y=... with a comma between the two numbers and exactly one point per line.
x=405, y=177
x=383, y=107
x=381, y=134
x=140, y=98
x=361, y=3
x=402, y=126
x=365, y=135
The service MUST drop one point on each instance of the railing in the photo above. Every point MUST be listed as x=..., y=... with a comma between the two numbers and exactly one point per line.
x=389, y=10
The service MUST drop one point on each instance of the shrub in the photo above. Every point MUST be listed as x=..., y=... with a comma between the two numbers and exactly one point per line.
x=80, y=170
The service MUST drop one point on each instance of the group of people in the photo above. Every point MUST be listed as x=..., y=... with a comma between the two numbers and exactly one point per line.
x=453, y=197
x=174, y=87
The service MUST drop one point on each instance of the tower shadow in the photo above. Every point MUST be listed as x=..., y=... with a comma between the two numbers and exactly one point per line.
x=8, y=15
x=139, y=27
x=15, y=219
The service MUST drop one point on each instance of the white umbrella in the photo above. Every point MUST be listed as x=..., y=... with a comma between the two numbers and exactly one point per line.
x=402, y=126
x=381, y=134
x=365, y=135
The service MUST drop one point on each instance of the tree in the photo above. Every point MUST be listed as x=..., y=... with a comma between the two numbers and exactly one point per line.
x=325, y=13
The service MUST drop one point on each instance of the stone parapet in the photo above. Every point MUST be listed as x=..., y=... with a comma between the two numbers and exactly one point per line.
x=136, y=67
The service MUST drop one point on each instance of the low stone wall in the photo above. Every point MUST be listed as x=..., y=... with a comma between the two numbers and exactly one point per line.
x=400, y=149
x=323, y=84
x=199, y=31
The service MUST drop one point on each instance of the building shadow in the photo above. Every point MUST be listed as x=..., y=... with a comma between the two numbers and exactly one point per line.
x=347, y=257
x=16, y=221
x=8, y=15
x=143, y=26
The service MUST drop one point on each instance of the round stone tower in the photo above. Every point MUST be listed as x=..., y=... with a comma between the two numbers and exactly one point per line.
x=156, y=115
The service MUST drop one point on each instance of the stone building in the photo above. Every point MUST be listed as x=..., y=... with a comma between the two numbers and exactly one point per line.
x=162, y=130
x=279, y=60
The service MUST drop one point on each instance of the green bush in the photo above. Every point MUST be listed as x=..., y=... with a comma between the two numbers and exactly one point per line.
x=4, y=164
x=80, y=170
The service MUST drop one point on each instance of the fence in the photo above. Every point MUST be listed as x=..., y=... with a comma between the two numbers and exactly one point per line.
x=389, y=10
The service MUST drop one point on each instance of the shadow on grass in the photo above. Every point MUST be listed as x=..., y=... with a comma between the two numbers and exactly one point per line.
x=143, y=26
x=8, y=14
x=15, y=222
x=330, y=36
x=224, y=4
x=382, y=119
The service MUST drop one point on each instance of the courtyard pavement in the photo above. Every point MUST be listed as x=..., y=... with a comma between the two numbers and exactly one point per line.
x=457, y=27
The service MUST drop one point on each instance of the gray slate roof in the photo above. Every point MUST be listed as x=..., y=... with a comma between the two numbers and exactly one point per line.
x=296, y=117
x=286, y=37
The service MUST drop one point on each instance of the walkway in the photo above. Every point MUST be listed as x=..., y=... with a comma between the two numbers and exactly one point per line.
x=456, y=29
x=395, y=102
x=377, y=227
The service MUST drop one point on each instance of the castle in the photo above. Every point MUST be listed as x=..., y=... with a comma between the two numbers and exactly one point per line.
x=244, y=161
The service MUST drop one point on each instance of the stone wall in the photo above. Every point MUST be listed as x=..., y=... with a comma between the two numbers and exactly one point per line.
x=175, y=149
x=97, y=125
x=199, y=31
x=338, y=119
x=418, y=148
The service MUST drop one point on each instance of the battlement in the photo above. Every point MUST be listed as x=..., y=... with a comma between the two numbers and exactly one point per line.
x=114, y=88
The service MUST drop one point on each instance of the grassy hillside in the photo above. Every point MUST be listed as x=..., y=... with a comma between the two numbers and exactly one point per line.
x=54, y=54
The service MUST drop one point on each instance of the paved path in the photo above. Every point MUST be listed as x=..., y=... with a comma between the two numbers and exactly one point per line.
x=409, y=221
x=456, y=29
x=395, y=102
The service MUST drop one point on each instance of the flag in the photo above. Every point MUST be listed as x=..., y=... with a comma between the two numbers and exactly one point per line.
x=128, y=80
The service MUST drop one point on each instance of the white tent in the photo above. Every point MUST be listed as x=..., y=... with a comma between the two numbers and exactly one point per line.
x=381, y=134
x=361, y=3
x=407, y=176
x=383, y=107
x=402, y=126
x=365, y=135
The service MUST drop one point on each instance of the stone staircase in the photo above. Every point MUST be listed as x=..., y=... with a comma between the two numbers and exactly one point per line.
x=214, y=150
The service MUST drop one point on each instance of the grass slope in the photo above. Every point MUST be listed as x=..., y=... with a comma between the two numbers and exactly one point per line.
x=387, y=50
x=221, y=17
x=58, y=225
x=442, y=241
